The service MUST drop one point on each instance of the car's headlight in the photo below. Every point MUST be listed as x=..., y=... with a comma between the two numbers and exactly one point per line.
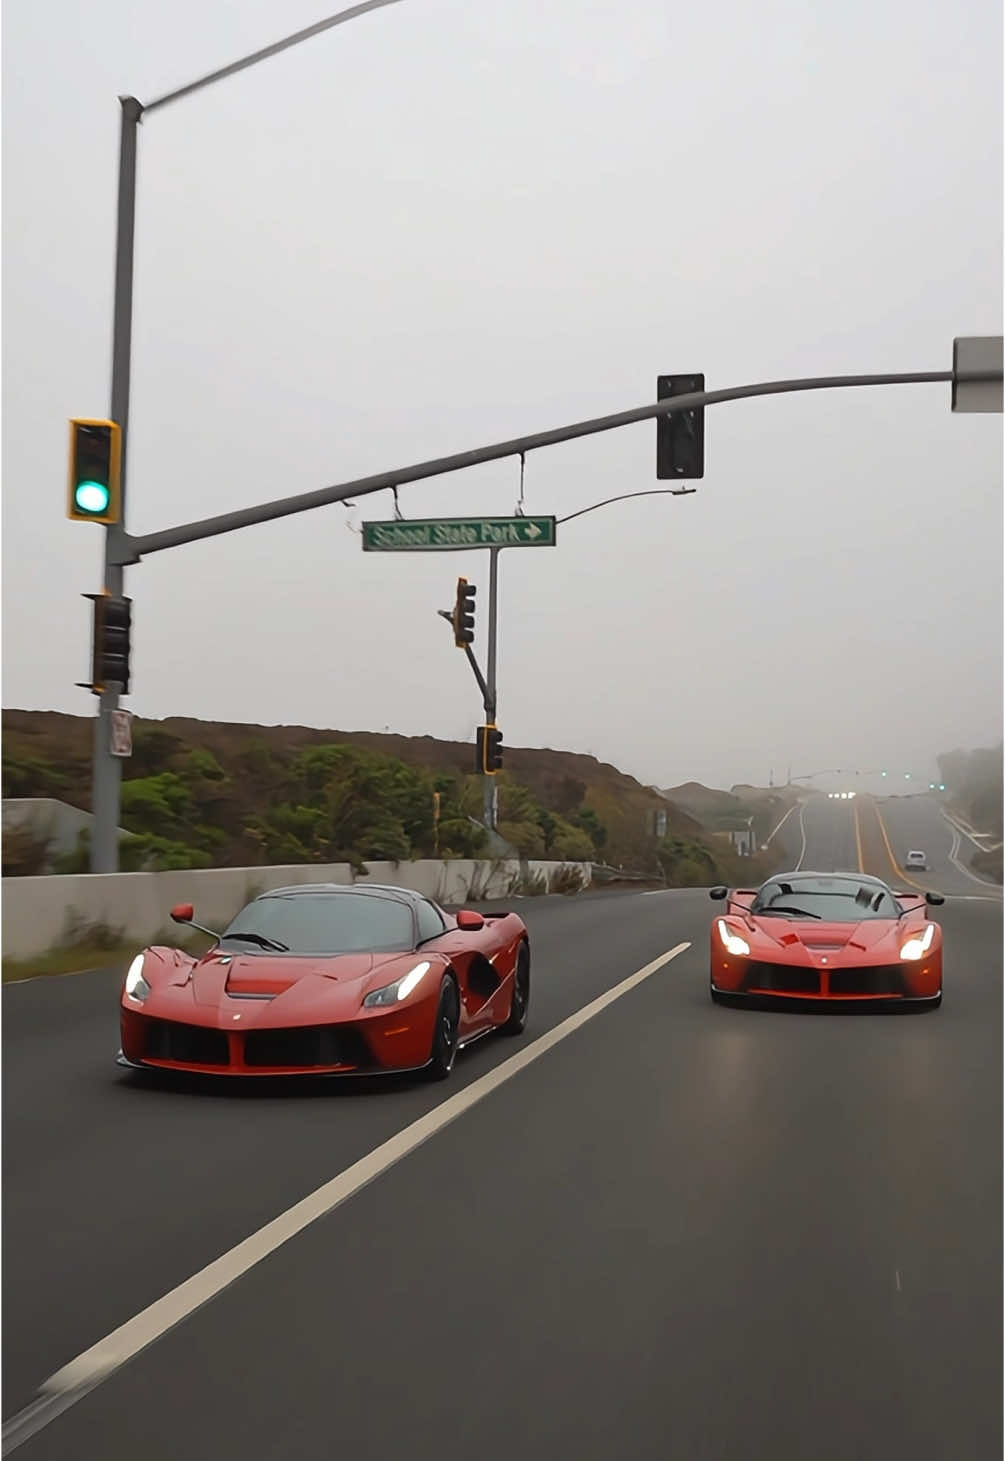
x=400, y=989
x=733, y=942
x=136, y=986
x=917, y=948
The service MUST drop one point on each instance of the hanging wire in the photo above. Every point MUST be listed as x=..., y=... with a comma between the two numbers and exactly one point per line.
x=519, y=512
x=348, y=520
x=398, y=515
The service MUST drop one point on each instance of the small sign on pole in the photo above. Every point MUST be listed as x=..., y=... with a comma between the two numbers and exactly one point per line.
x=120, y=739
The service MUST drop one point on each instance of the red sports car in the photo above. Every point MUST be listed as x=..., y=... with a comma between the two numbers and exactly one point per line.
x=327, y=980
x=826, y=937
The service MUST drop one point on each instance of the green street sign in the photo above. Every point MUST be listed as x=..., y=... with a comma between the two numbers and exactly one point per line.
x=439, y=535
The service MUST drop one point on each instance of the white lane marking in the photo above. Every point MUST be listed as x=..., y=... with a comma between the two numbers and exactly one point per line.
x=89, y=1369
x=802, y=828
x=960, y=827
x=781, y=824
x=961, y=866
x=896, y=1274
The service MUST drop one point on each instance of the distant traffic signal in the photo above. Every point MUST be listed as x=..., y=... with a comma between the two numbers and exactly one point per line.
x=464, y=614
x=680, y=438
x=95, y=493
x=110, y=645
x=489, y=756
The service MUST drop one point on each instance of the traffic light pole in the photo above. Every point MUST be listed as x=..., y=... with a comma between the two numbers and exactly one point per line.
x=106, y=785
x=489, y=789
x=106, y=768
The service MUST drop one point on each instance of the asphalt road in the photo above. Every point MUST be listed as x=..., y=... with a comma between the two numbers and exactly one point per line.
x=683, y=1231
x=917, y=822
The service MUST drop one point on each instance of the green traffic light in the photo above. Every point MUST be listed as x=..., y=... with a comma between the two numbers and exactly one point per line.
x=92, y=497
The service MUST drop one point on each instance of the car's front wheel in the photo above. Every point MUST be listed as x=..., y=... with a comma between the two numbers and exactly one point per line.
x=445, y=1032
x=521, y=994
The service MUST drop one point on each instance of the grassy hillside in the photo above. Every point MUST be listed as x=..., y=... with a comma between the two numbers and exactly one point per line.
x=203, y=793
x=728, y=811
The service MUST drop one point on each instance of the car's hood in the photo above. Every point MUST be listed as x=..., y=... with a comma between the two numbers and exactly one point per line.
x=284, y=984
x=826, y=939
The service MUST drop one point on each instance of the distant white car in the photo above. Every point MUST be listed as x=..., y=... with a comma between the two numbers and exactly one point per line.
x=917, y=860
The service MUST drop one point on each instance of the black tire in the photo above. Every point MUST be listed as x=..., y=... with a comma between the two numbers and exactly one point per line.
x=446, y=1032
x=521, y=995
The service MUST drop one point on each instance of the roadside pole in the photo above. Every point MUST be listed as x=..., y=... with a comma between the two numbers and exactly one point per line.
x=106, y=766
x=106, y=775
x=489, y=792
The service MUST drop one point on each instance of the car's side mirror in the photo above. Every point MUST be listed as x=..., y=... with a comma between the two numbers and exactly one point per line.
x=470, y=920
x=718, y=893
x=182, y=913
x=935, y=899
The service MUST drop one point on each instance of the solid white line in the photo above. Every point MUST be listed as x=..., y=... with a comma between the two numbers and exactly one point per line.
x=781, y=824
x=896, y=1272
x=105, y=1357
x=960, y=827
x=961, y=866
x=802, y=828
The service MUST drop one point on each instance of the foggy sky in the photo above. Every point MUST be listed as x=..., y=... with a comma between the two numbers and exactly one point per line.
x=449, y=222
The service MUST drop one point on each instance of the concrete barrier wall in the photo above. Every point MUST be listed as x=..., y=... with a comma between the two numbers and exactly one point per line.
x=46, y=912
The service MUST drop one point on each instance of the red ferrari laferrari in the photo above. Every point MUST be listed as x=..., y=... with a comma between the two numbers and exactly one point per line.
x=327, y=980
x=826, y=937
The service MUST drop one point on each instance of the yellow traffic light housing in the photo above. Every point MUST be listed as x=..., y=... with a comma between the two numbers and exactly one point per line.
x=95, y=486
x=463, y=617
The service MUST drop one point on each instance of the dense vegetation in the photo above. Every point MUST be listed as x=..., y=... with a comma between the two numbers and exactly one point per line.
x=200, y=794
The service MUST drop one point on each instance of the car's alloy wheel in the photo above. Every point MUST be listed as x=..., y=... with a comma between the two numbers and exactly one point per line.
x=445, y=1032
x=521, y=994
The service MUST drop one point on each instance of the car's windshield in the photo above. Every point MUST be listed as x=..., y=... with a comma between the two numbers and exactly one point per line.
x=327, y=923
x=832, y=900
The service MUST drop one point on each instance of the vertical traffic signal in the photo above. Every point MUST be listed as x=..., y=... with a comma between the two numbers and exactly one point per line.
x=464, y=614
x=489, y=756
x=110, y=647
x=95, y=493
x=680, y=438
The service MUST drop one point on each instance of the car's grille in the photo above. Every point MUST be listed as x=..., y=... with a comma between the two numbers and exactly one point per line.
x=303, y=1048
x=783, y=979
x=187, y=1044
x=881, y=979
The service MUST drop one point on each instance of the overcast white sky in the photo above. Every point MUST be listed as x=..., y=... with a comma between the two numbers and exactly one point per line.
x=450, y=222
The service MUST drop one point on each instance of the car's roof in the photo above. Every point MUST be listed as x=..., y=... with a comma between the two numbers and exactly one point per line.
x=843, y=875
x=384, y=890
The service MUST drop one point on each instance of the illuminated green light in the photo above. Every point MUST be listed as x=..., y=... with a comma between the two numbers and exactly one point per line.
x=92, y=497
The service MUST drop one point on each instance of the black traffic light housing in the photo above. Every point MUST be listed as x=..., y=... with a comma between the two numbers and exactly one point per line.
x=680, y=438
x=464, y=614
x=95, y=486
x=111, y=643
x=489, y=757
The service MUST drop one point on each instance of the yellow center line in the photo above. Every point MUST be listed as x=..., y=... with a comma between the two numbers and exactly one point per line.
x=889, y=852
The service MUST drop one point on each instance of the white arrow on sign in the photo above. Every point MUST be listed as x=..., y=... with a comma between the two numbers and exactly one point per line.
x=533, y=531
